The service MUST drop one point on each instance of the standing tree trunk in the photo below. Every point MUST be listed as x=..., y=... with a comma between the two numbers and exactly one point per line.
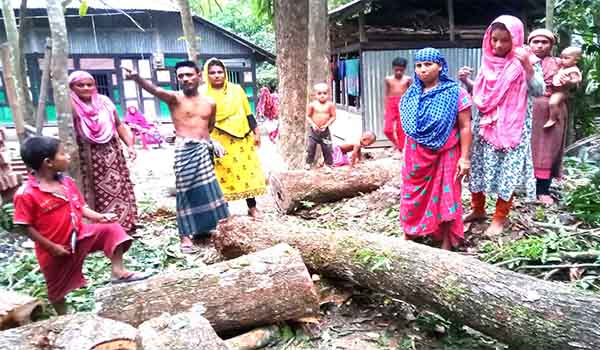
x=291, y=29
x=521, y=311
x=41, y=108
x=12, y=91
x=189, y=30
x=19, y=81
x=23, y=28
x=550, y=15
x=62, y=100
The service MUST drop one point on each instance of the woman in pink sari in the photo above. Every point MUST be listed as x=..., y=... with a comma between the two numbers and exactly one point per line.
x=147, y=132
x=436, y=117
x=106, y=182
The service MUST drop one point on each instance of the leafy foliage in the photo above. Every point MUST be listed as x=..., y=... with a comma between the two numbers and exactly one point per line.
x=584, y=201
x=6, y=216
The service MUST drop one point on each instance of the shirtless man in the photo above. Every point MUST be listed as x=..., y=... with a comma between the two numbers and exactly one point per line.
x=321, y=114
x=200, y=202
x=395, y=87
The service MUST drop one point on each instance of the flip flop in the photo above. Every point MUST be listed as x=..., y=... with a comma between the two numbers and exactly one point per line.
x=131, y=277
x=189, y=249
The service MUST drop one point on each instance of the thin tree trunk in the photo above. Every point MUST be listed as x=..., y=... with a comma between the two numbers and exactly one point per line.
x=41, y=108
x=12, y=91
x=189, y=30
x=14, y=64
x=23, y=27
x=550, y=14
x=60, y=85
x=291, y=29
x=521, y=311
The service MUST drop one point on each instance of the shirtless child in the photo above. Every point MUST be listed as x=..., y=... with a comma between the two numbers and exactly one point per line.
x=395, y=87
x=200, y=202
x=340, y=153
x=568, y=75
x=321, y=114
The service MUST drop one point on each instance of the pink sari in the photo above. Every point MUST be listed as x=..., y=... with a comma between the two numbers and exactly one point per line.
x=430, y=196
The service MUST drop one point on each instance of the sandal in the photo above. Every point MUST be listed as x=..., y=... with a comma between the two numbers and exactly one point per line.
x=189, y=249
x=131, y=277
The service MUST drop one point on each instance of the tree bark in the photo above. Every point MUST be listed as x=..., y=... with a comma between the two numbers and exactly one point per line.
x=318, y=45
x=24, y=22
x=60, y=85
x=18, y=72
x=255, y=339
x=185, y=331
x=12, y=91
x=41, y=108
x=263, y=288
x=189, y=30
x=521, y=311
x=290, y=188
x=71, y=332
x=291, y=37
x=16, y=309
x=550, y=15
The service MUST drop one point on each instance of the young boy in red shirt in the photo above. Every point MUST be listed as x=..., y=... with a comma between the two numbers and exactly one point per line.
x=52, y=209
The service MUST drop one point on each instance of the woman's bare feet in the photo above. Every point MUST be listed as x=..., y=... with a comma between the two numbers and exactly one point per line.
x=546, y=199
x=496, y=227
x=254, y=212
x=475, y=216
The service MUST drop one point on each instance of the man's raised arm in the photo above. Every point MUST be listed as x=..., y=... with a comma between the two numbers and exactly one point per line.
x=167, y=96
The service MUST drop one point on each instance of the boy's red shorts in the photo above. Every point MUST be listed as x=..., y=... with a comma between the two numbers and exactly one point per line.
x=64, y=274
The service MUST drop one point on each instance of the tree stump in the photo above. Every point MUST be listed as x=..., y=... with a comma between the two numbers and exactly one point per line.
x=519, y=310
x=290, y=188
x=16, y=309
x=184, y=331
x=71, y=332
x=266, y=287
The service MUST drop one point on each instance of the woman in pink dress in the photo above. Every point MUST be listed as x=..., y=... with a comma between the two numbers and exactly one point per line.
x=436, y=117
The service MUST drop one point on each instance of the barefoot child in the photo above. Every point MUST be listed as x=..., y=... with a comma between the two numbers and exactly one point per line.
x=340, y=153
x=567, y=75
x=52, y=209
x=395, y=87
x=321, y=114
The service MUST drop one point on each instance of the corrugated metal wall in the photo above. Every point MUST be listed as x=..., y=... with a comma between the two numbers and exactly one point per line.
x=162, y=29
x=376, y=65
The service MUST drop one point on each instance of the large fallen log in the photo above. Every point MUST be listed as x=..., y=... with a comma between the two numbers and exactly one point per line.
x=292, y=187
x=266, y=287
x=184, y=331
x=522, y=311
x=16, y=309
x=71, y=332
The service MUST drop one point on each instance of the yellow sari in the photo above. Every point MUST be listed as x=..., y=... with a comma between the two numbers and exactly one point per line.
x=239, y=172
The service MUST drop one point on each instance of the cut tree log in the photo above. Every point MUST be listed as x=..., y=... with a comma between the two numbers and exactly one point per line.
x=71, y=332
x=184, y=331
x=266, y=287
x=292, y=187
x=255, y=339
x=519, y=310
x=16, y=309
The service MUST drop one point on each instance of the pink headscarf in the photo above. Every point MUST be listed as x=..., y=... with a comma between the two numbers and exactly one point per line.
x=95, y=121
x=500, y=90
x=134, y=116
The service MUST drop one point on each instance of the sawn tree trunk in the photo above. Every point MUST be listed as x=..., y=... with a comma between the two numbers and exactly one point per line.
x=184, y=331
x=292, y=187
x=16, y=309
x=516, y=309
x=71, y=332
x=266, y=287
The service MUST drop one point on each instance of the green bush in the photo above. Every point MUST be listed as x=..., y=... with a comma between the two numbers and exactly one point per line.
x=584, y=201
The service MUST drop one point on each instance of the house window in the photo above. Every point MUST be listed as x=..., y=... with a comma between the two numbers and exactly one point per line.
x=103, y=83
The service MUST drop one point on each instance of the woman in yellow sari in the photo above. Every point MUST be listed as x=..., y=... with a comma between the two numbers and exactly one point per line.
x=238, y=171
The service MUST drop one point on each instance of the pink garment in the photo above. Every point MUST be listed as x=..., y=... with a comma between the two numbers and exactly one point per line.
x=500, y=90
x=148, y=132
x=339, y=157
x=430, y=196
x=95, y=120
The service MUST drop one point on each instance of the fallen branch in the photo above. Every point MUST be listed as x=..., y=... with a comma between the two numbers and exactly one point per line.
x=564, y=266
x=519, y=310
